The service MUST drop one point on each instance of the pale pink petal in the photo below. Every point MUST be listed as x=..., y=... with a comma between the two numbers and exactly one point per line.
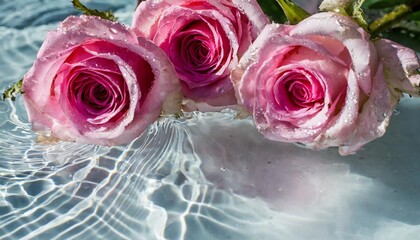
x=341, y=127
x=164, y=91
x=163, y=20
x=55, y=49
x=255, y=14
x=148, y=14
x=77, y=29
x=374, y=117
x=259, y=63
x=164, y=85
x=245, y=86
x=346, y=30
x=401, y=67
x=112, y=42
x=334, y=50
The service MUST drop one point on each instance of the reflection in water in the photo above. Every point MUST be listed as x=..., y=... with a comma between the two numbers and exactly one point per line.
x=208, y=176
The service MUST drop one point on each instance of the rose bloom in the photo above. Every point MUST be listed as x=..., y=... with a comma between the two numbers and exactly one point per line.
x=323, y=82
x=94, y=82
x=203, y=39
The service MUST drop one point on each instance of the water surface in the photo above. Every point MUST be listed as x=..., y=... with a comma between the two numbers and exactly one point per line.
x=208, y=176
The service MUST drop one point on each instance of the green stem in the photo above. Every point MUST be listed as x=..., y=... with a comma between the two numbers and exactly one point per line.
x=13, y=91
x=107, y=15
x=389, y=19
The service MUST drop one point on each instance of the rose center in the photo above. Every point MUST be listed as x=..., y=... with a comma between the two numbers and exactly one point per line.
x=298, y=89
x=300, y=92
x=199, y=50
x=199, y=53
x=97, y=97
x=100, y=92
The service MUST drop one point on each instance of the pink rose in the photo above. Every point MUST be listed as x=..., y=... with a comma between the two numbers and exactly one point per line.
x=203, y=39
x=323, y=82
x=94, y=82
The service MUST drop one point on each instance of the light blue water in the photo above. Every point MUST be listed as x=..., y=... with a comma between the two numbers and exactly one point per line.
x=205, y=177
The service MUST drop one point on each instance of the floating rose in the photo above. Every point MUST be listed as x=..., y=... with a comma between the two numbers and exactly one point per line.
x=323, y=82
x=95, y=82
x=203, y=39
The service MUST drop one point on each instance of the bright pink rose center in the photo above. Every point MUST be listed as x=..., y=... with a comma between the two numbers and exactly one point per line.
x=94, y=89
x=199, y=51
x=94, y=96
x=297, y=90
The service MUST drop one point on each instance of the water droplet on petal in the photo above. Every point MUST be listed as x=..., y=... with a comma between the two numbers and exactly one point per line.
x=113, y=30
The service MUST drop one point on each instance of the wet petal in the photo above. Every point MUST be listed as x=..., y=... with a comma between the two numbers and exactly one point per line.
x=401, y=66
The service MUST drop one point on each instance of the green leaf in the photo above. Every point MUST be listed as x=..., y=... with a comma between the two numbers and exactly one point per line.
x=354, y=10
x=273, y=10
x=108, y=15
x=13, y=91
x=293, y=12
x=414, y=16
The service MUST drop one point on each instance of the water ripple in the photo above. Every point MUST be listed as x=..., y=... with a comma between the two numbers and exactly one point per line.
x=51, y=185
x=208, y=176
x=25, y=14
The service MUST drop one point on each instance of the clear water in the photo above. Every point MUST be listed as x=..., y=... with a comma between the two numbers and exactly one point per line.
x=205, y=177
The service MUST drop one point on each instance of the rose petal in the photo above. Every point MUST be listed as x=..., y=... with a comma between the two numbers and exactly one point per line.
x=341, y=127
x=147, y=13
x=374, y=117
x=164, y=21
x=274, y=48
x=255, y=14
x=53, y=52
x=195, y=85
x=226, y=55
x=153, y=78
x=165, y=84
x=356, y=40
x=401, y=66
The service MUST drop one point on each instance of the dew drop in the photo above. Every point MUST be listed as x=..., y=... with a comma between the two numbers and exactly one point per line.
x=113, y=30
